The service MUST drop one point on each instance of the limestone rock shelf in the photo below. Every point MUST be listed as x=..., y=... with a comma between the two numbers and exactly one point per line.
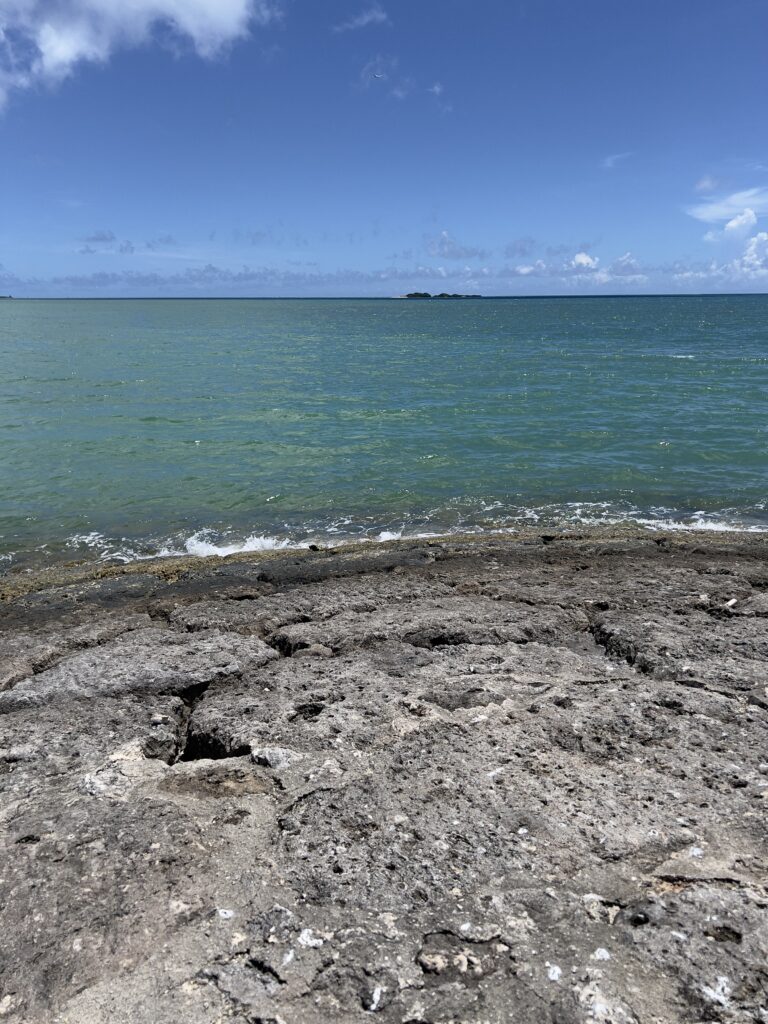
x=511, y=780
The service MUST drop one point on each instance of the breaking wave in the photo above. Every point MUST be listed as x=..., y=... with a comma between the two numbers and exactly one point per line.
x=482, y=518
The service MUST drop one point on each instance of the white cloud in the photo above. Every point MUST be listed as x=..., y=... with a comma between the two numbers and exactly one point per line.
x=748, y=269
x=627, y=270
x=43, y=41
x=741, y=224
x=725, y=208
x=583, y=261
x=584, y=270
x=753, y=263
x=375, y=15
x=625, y=264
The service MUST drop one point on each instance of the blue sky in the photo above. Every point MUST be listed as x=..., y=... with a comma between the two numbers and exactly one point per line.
x=347, y=147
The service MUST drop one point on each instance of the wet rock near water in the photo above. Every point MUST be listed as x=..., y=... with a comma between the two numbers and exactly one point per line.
x=416, y=783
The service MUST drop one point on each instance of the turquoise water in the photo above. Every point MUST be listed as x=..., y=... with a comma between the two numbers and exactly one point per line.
x=134, y=427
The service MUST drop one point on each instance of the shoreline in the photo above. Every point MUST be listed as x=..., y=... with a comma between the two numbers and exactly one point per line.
x=445, y=779
x=16, y=580
x=97, y=548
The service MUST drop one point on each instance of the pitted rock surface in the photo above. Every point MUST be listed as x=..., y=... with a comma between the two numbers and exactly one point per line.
x=418, y=783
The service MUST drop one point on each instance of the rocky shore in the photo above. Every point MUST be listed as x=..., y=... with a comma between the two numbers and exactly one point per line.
x=512, y=780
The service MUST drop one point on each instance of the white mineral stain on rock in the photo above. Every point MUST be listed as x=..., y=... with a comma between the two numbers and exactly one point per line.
x=602, y=1007
x=720, y=992
x=388, y=924
x=308, y=938
x=7, y=1003
x=275, y=757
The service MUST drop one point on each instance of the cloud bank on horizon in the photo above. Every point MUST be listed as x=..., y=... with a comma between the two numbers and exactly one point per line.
x=335, y=135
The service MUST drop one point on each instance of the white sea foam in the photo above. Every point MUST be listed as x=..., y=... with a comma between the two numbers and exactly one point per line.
x=104, y=548
x=201, y=544
x=666, y=520
x=481, y=518
x=409, y=535
x=693, y=525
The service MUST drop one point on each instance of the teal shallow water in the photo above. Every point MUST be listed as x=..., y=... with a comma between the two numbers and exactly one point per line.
x=134, y=427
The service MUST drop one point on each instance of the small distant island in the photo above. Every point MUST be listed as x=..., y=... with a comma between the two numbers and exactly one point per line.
x=442, y=295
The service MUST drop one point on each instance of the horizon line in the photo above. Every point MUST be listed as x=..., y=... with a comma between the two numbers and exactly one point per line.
x=367, y=298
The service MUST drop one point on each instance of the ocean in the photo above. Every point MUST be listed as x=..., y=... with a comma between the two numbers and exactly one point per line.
x=131, y=428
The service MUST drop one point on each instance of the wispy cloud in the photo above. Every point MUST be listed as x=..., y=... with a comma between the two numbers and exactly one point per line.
x=210, y=279
x=107, y=242
x=746, y=271
x=437, y=89
x=402, y=89
x=43, y=41
x=374, y=15
x=384, y=72
x=725, y=208
x=100, y=236
x=560, y=269
x=161, y=242
x=707, y=184
x=380, y=69
x=609, y=162
x=445, y=247
x=271, y=237
x=520, y=247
